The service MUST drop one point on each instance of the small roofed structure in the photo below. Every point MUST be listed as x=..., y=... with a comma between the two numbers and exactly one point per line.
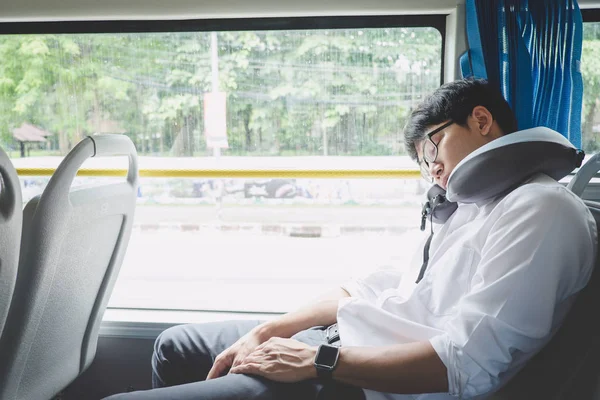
x=29, y=133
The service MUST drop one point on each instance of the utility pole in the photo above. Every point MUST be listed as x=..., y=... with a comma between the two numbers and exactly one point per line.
x=215, y=76
x=324, y=129
x=214, y=50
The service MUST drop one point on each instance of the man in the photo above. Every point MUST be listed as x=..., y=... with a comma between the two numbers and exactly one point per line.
x=500, y=279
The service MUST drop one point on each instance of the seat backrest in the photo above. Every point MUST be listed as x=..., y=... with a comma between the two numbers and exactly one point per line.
x=567, y=367
x=72, y=247
x=11, y=220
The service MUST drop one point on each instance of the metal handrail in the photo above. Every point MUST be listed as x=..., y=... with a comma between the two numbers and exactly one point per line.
x=236, y=173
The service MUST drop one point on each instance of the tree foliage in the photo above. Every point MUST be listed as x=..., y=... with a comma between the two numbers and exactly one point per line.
x=319, y=92
x=305, y=92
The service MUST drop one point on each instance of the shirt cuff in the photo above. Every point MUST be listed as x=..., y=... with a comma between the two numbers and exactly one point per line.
x=446, y=351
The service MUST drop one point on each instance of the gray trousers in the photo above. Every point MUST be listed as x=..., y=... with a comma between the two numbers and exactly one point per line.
x=184, y=354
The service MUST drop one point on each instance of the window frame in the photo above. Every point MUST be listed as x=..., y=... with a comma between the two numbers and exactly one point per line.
x=590, y=15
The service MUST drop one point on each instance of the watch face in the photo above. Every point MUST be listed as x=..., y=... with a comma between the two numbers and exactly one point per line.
x=327, y=356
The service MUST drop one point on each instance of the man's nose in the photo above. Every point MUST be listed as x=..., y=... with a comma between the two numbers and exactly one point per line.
x=436, y=169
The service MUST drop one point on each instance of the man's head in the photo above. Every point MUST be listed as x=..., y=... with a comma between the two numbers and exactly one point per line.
x=458, y=118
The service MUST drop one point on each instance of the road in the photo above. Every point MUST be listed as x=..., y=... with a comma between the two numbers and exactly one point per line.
x=210, y=269
x=189, y=215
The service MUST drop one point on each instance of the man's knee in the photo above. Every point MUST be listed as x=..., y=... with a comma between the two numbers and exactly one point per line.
x=181, y=355
x=169, y=358
x=166, y=345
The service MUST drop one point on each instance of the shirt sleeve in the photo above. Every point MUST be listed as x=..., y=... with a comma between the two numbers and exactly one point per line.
x=370, y=286
x=537, y=255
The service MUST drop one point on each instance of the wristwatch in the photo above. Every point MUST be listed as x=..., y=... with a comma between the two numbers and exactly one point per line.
x=326, y=360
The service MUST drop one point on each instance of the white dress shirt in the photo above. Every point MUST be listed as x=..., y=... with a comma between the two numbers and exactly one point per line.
x=500, y=280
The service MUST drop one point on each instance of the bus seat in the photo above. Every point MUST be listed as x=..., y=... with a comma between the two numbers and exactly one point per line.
x=567, y=367
x=11, y=220
x=584, y=175
x=73, y=244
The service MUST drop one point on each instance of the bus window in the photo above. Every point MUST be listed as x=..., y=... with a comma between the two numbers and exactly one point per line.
x=321, y=110
x=590, y=118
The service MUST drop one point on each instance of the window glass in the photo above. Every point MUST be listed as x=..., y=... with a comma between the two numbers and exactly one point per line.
x=325, y=99
x=590, y=118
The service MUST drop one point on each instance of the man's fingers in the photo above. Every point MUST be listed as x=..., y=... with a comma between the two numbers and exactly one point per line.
x=252, y=359
x=247, y=368
x=214, y=372
x=239, y=359
x=262, y=345
x=222, y=362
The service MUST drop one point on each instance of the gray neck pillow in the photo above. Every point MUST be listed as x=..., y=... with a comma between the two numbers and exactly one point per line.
x=499, y=167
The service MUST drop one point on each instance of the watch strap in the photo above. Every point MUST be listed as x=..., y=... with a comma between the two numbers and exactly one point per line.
x=326, y=371
x=326, y=374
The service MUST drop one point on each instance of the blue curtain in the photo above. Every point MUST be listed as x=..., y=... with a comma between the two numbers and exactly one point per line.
x=532, y=51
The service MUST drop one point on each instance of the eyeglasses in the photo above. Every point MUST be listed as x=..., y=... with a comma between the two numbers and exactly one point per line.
x=430, y=151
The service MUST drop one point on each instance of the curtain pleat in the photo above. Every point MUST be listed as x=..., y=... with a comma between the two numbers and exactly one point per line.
x=531, y=50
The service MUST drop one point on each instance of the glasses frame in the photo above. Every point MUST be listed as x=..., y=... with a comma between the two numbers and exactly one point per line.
x=424, y=163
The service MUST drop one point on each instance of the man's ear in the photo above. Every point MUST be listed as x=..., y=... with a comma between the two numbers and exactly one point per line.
x=482, y=120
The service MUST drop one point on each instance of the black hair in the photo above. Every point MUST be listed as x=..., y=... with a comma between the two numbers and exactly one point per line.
x=455, y=101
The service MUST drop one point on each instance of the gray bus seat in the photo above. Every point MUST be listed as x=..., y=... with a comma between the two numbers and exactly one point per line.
x=11, y=220
x=584, y=175
x=72, y=247
x=567, y=367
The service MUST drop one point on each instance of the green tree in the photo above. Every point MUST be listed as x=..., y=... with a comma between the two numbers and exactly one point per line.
x=344, y=91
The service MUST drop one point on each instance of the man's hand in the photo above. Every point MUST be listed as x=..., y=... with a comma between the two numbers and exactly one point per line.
x=322, y=313
x=235, y=354
x=281, y=360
